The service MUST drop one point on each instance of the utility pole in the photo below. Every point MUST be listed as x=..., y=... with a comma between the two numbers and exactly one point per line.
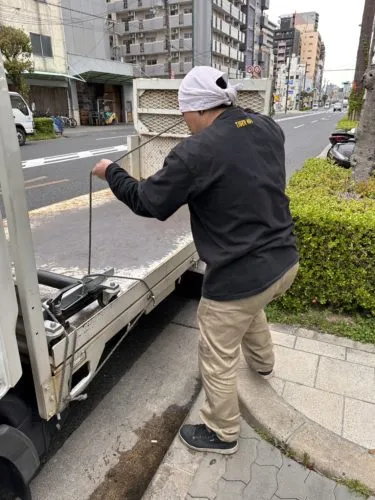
x=290, y=64
x=168, y=38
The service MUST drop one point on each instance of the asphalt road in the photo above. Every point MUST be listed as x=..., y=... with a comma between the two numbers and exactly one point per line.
x=58, y=170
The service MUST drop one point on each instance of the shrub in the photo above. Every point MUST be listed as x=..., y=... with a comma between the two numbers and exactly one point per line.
x=44, y=126
x=335, y=231
x=346, y=124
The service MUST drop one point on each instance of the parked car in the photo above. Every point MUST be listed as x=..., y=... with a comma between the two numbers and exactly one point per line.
x=23, y=117
x=327, y=105
x=315, y=107
x=337, y=106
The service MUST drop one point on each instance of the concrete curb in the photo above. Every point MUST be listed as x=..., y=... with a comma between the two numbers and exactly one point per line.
x=323, y=154
x=330, y=454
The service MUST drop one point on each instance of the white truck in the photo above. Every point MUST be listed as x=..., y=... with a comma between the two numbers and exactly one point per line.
x=56, y=319
x=23, y=117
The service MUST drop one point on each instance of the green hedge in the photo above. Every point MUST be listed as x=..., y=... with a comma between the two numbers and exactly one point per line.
x=44, y=126
x=346, y=124
x=336, y=240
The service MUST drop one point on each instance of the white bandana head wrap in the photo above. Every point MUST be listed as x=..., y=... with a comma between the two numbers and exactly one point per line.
x=199, y=90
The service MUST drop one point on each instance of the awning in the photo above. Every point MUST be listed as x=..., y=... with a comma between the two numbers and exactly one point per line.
x=46, y=75
x=100, y=70
x=101, y=77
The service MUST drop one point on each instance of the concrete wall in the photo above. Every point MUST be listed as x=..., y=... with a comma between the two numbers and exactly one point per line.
x=42, y=19
x=85, y=35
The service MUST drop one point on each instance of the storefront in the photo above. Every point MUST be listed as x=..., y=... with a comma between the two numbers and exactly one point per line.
x=103, y=94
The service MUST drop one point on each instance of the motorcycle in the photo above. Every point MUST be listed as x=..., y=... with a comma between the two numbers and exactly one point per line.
x=343, y=145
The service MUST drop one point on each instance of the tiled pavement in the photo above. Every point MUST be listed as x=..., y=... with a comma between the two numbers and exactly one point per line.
x=329, y=379
x=258, y=471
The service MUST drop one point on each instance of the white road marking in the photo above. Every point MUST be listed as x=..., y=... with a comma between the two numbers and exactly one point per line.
x=51, y=160
x=36, y=179
x=45, y=184
x=299, y=126
x=314, y=121
x=112, y=137
x=302, y=115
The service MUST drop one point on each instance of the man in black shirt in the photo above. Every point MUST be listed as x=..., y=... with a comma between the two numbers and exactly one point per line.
x=231, y=173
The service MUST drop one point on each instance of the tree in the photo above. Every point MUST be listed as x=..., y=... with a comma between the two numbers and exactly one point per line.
x=16, y=48
x=356, y=96
x=324, y=98
x=363, y=159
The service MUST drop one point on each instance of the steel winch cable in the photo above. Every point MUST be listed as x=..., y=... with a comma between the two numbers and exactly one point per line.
x=130, y=325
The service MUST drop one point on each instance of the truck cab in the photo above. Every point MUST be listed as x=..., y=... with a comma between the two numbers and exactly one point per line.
x=23, y=117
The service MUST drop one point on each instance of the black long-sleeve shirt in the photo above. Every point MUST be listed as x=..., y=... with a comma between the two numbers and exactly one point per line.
x=232, y=176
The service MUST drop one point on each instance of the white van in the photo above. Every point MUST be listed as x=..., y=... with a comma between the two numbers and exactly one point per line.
x=23, y=117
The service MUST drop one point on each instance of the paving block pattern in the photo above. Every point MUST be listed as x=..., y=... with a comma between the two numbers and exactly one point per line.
x=259, y=471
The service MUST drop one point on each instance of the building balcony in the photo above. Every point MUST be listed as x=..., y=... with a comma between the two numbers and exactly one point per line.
x=155, y=70
x=186, y=44
x=148, y=48
x=136, y=5
x=116, y=7
x=181, y=68
x=235, y=33
x=157, y=23
x=181, y=20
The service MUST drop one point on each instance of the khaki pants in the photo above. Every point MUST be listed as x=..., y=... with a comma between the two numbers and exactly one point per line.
x=225, y=327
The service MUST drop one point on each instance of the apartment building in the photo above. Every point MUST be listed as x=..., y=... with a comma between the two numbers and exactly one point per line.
x=287, y=42
x=266, y=56
x=43, y=23
x=312, y=46
x=165, y=38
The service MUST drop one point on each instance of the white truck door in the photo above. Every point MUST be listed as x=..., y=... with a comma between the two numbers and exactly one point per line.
x=10, y=363
x=21, y=112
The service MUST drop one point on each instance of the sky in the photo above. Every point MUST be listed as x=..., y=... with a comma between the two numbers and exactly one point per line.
x=339, y=26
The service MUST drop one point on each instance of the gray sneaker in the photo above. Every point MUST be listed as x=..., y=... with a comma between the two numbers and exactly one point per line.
x=267, y=375
x=201, y=438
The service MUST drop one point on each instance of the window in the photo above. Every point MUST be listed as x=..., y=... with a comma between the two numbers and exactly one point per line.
x=188, y=11
x=188, y=35
x=175, y=36
x=19, y=103
x=41, y=45
x=150, y=15
x=150, y=38
x=188, y=59
x=152, y=62
x=174, y=11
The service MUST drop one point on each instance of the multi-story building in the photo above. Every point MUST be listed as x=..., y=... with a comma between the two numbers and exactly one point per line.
x=100, y=84
x=259, y=36
x=43, y=23
x=266, y=54
x=287, y=42
x=158, y=36
x=312, y=47
x=290, y=82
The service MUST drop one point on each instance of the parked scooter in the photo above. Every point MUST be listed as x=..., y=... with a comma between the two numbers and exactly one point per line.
x=343, y=145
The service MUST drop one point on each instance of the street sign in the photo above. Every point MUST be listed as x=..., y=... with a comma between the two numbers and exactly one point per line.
x=250, y=69
x=290, y=92
x=257, y=69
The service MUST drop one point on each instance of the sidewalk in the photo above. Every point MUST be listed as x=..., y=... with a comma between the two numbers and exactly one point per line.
x=320, y=404
x=88, y=130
